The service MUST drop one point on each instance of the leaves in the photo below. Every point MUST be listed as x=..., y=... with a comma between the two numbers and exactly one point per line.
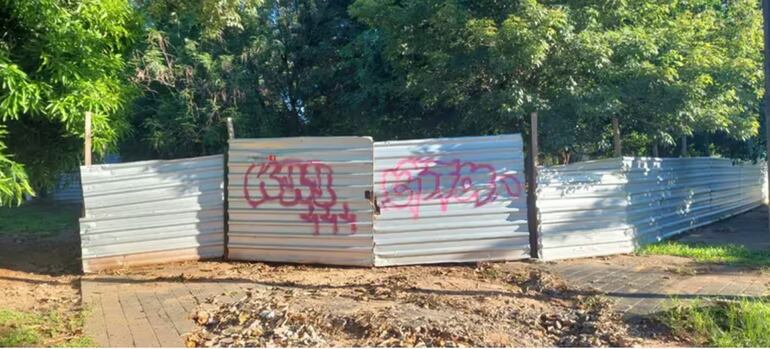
x=160, y=76
x=59, y=59
x=14, y=183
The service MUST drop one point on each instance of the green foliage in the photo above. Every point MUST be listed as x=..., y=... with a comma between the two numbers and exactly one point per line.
x=42, y=219
x=59, y=59
x=14, y=183
x=727, y=254
x=24, y=329
x=741, y=323
x=421, y=68
x=161, y=76
x=469, y=67
x=666, y=69
x=278, y=68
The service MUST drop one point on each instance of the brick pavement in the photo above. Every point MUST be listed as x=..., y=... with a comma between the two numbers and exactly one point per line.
x=124, y=312
x=641, y=291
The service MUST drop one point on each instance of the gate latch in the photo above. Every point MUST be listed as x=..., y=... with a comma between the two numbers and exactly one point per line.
x=373, y=200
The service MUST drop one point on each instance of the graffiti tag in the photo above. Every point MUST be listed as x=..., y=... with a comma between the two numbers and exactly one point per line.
x=417, y=180
x=298, y=183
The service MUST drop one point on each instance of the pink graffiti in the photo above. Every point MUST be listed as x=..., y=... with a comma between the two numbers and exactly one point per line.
x=298, y=183
x=414, y=181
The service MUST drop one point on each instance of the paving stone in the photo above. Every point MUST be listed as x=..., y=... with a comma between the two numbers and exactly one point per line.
x=95, y=324
x=141, y=331
x=118, y=332
x=161, y=324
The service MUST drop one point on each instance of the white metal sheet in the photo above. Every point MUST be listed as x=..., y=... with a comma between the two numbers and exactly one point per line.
x=68, y=189
x=152, y=211
x=450, y=200
x=612, y=206
x=583, y=209
x=301, y=200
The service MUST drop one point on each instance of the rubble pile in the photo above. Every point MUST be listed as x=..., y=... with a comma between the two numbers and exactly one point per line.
x=591, y=324
x=263, y=320
x=490, y=305
x=253, y=323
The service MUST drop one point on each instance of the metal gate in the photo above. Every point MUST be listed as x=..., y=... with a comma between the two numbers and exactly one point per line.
x=303, y=200
x=450, y=200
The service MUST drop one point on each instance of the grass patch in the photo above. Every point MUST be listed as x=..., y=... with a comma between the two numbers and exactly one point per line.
x=21, y=329
x=741, y=323
x=42, y=219
x=725, y=254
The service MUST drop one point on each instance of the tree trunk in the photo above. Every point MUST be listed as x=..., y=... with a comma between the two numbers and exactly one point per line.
x=618, y=147
x=683, y=147
x=655, y=152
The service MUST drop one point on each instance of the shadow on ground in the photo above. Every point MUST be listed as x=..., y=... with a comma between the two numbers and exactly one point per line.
x=41, y=238
x=749, y=229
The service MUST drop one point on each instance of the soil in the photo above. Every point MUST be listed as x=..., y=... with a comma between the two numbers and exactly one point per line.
x=39, y=276
x=39, y=273
x=484, y=304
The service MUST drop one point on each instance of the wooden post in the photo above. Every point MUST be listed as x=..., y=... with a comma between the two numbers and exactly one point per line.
x=88, y=135
x=766, y=26
x=226, y=184
x=532, y=211
x=230, y=129
x=618, y=147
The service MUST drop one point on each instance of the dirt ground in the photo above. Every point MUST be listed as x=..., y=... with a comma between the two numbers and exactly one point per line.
x=39, y=272
x=40, y=276
x=484, y=304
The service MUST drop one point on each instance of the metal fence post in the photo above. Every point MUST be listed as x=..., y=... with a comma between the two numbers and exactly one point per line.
x=532, y=213
x=226, y=184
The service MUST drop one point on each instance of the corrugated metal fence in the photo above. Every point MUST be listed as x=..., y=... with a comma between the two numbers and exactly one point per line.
x=582, y=210
x=68, y=189
x=450, y=200
x=349, y=201
x=611, y=206
x=152, y=211
x=301, y=200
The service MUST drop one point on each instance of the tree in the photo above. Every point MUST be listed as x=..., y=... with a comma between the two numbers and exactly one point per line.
x=59, y=59
x=666, y=70
x=473, y=67
x=277, y=67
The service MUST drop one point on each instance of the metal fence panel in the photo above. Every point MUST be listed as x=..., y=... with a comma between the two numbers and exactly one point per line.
x=301, y=200
x=151, y=212
x=612, y=206
x=450, y=200
x=680, y=194
x=68, y=189
x=583, y=209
